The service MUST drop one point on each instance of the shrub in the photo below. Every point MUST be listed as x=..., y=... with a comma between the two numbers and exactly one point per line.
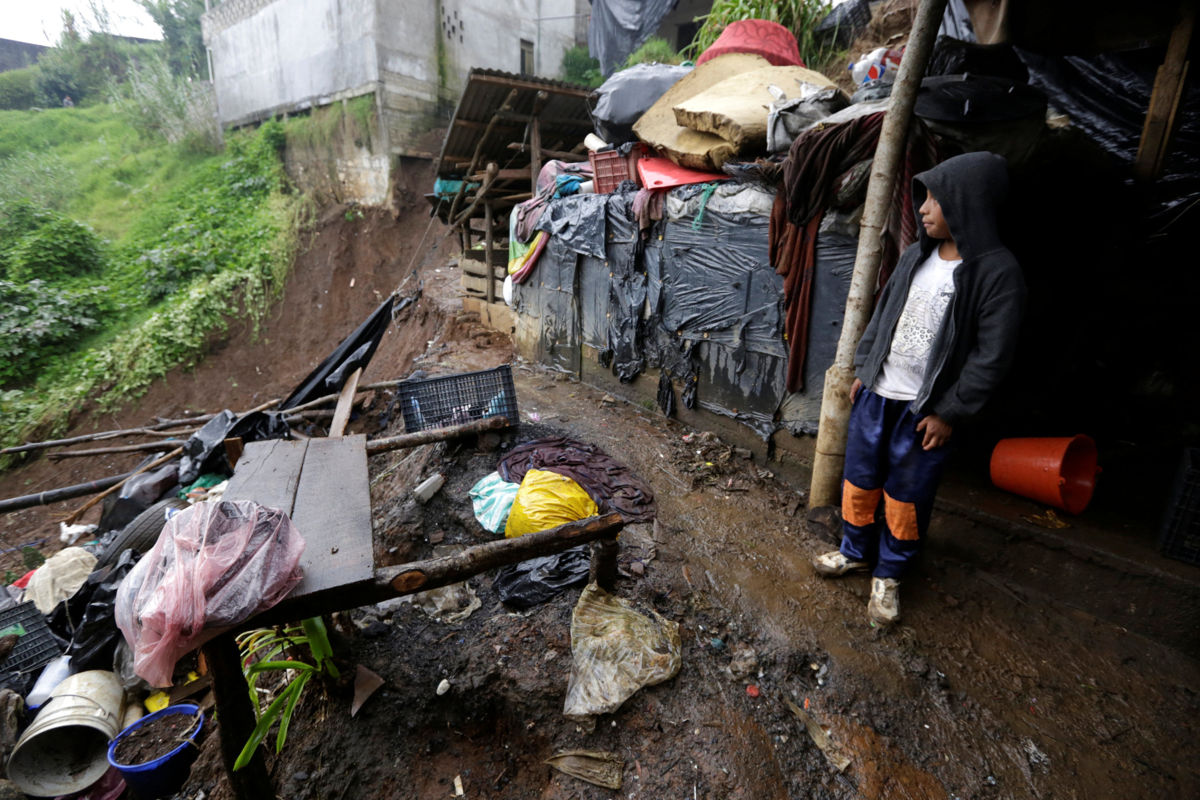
x=37, y=321
x=656, y=49
x=18, y=89
x=161, y=103
x=578, y=66
x=59, y=248
x=799, y=16
x=41, y=178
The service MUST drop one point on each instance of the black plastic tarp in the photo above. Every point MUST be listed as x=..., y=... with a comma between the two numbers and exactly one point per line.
x=627, y=289
x=355, y=351
x=204, y=451
x=1106, y=97
x=618, y=27
x=576, y=222
x=623, y=98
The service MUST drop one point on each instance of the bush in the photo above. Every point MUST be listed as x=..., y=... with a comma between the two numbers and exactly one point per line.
x=578, y=66
x=41, y=178
x=18, y=88
x=37, y=321
x=57, y=248
x=656, y=49
x=162, y=103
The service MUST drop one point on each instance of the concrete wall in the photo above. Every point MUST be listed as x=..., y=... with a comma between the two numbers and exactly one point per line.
x=290, y=54
x=15, y=55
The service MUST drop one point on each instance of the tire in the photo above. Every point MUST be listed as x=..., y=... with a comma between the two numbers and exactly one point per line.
x=141, y=533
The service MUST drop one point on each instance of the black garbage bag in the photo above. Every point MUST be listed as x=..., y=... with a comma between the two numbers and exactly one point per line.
x=95, y=637
x=537, y=580
x=205, y=450
x=621, y=100
x=844, y=23
x=139, y=493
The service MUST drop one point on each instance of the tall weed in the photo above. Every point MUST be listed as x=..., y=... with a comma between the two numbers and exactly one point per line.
x=162, y=103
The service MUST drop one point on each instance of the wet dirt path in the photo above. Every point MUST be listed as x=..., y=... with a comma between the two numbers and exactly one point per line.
x=982, y=691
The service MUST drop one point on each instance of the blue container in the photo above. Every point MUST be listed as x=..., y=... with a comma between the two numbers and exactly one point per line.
x=164, y=775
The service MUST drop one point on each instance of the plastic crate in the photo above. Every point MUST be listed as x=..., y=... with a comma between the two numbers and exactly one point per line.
x=609, y=168
x=37, y=645
x=1180, y=535
x=455, y=399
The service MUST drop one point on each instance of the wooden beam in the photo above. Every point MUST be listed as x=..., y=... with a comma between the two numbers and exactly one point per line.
x=1165, y=98
x=483, y=137
x=488, y=243
x=568, y=91
x=418, y=438
x=235, y=719
x=341, y=414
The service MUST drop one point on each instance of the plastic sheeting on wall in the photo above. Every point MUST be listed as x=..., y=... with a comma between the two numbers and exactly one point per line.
x=626, y=289
x=618, y=27
x=576, y=222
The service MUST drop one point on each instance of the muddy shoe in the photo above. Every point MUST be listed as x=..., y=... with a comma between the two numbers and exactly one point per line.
x=884, y=607
x=834, y=564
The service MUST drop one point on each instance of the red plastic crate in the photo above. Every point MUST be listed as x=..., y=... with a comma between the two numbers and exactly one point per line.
x=609, y=168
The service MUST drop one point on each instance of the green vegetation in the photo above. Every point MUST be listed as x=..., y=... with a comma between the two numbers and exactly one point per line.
x=579, y=67
x=799, y=16
x=655, y=50
x=108, y=287
x=321, y=127
x=261, y=650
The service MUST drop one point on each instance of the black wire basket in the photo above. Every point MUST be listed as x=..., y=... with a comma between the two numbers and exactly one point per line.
x=1180, y=534
x=455, y=399
x=37, y=645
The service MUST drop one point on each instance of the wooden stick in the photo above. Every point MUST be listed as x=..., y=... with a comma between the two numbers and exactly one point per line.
x=421, y=576
x=237, y=718
x=77, y=513
x=435, y=435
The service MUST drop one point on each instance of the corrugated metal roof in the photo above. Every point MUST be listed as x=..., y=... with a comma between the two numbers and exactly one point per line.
x=563, y=120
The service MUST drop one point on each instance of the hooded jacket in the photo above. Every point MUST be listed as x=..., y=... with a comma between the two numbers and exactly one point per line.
x=976, y=341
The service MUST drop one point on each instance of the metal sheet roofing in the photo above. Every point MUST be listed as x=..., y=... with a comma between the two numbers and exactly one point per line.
x=563, y=120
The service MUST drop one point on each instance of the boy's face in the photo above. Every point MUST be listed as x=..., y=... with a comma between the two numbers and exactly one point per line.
x=932, y=219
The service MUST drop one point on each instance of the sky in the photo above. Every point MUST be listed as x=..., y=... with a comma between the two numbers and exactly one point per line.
x=40, y=21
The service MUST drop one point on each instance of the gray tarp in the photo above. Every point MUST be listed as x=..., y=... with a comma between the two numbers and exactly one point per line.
x=618, y=27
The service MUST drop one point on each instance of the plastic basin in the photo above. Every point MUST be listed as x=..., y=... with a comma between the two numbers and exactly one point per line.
x=166, y=774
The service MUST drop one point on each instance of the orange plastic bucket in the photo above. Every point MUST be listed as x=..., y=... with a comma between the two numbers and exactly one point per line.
x=1057, y=471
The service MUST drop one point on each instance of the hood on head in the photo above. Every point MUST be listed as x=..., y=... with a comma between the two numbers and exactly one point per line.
x=970, y=189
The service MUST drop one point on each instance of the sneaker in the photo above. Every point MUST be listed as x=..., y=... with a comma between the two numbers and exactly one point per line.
x=884, y=607
x=834, y=564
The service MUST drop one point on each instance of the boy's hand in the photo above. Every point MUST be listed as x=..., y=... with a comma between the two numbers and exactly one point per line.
x=937, y=431
x=855, y=388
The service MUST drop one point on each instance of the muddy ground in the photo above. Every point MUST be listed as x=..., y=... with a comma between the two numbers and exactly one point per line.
x=986, y=690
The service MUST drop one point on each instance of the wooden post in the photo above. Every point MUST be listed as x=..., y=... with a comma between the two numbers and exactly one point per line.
x=418, y=438
x=235, y=719
x=830, y=455
x=341, y=414
x=603, y=571
x=535, y=139
x=1165, y=98
x=488, y=240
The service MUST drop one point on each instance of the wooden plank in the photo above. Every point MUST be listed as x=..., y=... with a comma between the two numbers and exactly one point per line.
x=1165, y=97
x=333, y=514
x=345, y=403
x=478, y=286
x=571, y=91
x=268, y=473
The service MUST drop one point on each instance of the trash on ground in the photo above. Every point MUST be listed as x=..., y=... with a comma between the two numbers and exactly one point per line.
x=1047, y=519
x=447, y=604
x=594, y=766
x=214, y=565
x=536, y=580
x=70, y=534
x=546, y=500
x=59, y=578
x=492, y=498
x=366, y=683
x=820, y=738
x=429, y=487
x=615, y=652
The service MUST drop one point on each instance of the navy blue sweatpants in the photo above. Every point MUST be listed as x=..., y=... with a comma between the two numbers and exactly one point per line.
x=884, y=460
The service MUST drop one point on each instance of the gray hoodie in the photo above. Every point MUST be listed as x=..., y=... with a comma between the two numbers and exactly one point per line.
x=975, y=344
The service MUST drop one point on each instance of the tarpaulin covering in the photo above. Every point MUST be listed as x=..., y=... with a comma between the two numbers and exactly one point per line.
x=622, y=99
x=627, y=289
x=1106, y=97
x=354, y=352
x=618, y=27
x=607, y=481
x=760, y=37
x=576, y=222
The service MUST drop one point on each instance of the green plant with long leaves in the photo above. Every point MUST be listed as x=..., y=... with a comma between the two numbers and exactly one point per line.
x=261, y=652
x=801, y=17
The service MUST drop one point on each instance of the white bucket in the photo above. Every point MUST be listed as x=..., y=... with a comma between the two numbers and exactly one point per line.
x=65, y=748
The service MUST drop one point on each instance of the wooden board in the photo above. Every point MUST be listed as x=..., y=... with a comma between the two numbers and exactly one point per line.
x=333, y=514
x=268, y=473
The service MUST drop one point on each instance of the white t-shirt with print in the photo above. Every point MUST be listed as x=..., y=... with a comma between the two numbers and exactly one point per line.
x=928, y=298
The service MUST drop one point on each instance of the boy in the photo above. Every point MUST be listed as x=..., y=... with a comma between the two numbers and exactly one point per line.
x=941, y=338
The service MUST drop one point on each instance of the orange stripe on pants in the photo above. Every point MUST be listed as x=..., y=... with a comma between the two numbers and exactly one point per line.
x=858, y=505
x=901, y=518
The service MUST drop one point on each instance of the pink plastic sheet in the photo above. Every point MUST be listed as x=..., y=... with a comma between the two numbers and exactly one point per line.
x=214, y=566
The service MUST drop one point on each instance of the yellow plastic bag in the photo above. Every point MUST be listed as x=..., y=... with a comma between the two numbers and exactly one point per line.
x=545, y=500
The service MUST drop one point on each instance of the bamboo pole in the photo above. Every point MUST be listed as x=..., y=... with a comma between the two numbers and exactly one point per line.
x=63, y=493
x=830, y=455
